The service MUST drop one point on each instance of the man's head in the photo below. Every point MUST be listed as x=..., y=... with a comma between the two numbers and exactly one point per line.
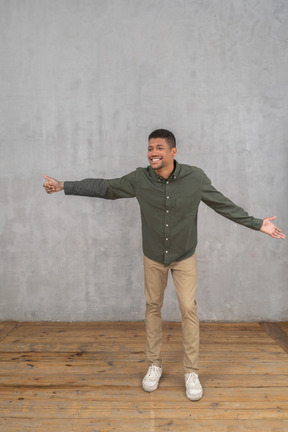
x=161, y=152
x=165, y=134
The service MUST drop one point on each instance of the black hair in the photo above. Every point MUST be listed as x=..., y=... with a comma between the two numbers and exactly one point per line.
x=166, y=134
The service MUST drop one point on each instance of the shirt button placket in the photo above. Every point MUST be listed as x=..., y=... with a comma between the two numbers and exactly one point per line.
x=167, y=223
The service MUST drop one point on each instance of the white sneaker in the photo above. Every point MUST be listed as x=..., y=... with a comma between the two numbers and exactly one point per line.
x=151, y=380
x=194, y=390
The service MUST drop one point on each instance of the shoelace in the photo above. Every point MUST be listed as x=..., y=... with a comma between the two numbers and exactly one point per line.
x=152, y=372
x=192, y=377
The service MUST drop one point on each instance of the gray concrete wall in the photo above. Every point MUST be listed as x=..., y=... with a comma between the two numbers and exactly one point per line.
x=82, y=84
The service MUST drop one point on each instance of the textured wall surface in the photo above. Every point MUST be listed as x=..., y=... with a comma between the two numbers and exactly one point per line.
x=82, y=84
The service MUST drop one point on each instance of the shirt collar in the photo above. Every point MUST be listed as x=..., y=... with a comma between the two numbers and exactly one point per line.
x=174, y=176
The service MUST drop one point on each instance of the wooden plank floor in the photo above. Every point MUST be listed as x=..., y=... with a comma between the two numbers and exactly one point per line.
x=86, y=377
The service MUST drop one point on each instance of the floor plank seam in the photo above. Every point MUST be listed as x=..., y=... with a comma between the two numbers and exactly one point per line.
x=12, y=327
x=276, y=333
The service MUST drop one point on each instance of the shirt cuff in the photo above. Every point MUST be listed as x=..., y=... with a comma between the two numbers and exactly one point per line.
x=257, y=224
x=68, y=187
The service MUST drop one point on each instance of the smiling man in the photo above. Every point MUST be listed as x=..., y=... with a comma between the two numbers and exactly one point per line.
x=161, y=155
x=169, y=194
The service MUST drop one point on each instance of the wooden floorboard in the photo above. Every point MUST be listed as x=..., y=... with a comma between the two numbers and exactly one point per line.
x=278, y=333
x=86, y=377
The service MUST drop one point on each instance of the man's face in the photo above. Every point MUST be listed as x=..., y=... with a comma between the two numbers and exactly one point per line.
x=159, y=154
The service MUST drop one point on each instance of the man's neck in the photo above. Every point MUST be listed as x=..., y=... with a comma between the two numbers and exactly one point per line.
x=165, y=172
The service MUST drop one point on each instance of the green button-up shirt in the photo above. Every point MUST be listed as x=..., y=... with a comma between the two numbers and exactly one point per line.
x=169, y=207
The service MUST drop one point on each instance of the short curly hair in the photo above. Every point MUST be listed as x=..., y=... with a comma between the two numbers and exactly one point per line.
x=166, y=134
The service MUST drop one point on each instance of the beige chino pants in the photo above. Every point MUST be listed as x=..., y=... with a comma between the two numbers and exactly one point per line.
x=184, y=274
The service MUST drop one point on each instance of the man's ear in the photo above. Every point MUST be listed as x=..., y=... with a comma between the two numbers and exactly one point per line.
x=174, y=151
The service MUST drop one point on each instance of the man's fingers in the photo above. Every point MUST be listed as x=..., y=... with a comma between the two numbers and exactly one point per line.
x=49, y=187
x=277, y=233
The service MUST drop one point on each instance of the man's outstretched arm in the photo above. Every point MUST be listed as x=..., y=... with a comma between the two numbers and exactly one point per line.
x=269, y=228
x=123, y=187
x=224, y=206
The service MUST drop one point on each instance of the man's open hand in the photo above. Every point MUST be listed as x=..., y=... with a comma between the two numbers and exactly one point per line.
x=269, y=228
x=52, y=185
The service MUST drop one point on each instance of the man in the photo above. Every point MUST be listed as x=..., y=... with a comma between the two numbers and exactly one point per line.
x=169, y=194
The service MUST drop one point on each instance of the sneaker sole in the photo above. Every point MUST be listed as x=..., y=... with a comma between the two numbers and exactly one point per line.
x=194, y=398
x=149, y=389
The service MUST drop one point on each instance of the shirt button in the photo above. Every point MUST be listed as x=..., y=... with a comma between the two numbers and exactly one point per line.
x=167, y=225
x=168, y=197
x=166, y=251
x=167, y=182
x=166, y=238
x=167, y=211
